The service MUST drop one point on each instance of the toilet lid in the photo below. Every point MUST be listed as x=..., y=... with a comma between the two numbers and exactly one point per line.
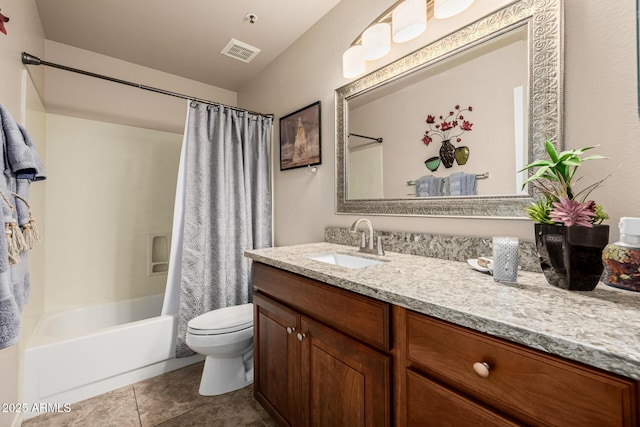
x=222, y=320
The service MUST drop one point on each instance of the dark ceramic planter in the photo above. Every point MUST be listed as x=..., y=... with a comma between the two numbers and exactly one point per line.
x=447, y=153
x=571, y=257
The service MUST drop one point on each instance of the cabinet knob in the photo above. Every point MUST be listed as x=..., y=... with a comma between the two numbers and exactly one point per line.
x=301, y=336
x=482, y=369
x=290, y=330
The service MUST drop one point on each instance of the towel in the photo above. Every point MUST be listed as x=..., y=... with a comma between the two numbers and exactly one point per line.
x=20, y=282
x=460, y=184
x=39, y=174
x=20, y=161
x=22, y=210
x=9, y=313
x=453, y=184
x=21, y=165
x=428, y=186
x=469, y=185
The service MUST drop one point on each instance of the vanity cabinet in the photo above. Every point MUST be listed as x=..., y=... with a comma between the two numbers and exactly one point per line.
x=325, y=356
x=454, y=375
x=321, y=354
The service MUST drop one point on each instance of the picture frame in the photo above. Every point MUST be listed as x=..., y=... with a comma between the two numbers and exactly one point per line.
x=300, y=138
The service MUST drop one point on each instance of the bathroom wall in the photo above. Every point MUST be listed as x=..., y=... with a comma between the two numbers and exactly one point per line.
x=72, y=94
x=110, y=187
x=24, y=32
x=600, y=108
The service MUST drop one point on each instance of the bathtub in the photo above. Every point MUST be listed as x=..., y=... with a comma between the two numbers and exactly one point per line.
x=83, y=352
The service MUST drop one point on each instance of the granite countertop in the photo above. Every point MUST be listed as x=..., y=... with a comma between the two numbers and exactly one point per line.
x=600, y=328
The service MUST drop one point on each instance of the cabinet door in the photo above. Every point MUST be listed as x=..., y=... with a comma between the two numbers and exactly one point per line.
x=276, y=352
x=343, y=382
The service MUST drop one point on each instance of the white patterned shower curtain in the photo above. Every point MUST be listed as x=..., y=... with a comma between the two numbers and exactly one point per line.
x=223, y=206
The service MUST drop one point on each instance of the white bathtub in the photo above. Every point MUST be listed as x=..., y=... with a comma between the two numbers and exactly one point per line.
x=79, y=353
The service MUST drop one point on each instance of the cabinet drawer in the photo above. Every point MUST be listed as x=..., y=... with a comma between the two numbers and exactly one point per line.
x=356, y=315
x=431, y=404
x=532, y=386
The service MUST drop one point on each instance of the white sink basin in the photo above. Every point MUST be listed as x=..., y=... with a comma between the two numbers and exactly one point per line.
x=346, y=260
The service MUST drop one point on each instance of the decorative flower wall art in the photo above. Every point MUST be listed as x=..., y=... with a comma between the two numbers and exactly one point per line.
x=3, y=20
x=448, y=128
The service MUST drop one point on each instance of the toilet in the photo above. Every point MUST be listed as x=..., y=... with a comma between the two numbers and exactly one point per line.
x=225, y=337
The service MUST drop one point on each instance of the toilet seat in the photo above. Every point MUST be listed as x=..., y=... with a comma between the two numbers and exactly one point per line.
x=222, y=321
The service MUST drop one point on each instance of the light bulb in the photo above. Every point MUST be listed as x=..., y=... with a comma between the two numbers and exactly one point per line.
x=376, y=41
x=353, y=61
x=448, y=8
x=409, y=20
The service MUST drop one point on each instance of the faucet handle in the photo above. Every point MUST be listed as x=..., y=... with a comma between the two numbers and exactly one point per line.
x=379, y=245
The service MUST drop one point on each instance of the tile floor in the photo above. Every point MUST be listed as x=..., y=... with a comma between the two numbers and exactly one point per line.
x=167, y=400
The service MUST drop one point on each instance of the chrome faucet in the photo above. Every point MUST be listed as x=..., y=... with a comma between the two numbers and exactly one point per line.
x=363, y=242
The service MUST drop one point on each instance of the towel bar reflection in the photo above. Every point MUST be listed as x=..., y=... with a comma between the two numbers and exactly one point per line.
x=478, y=176
x=366, y=137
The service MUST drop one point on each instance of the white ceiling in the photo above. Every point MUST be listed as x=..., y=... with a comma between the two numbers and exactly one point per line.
x=182, y=38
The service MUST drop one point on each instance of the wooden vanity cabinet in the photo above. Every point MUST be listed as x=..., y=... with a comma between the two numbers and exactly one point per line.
x=323, y=357
x=321, y=354
x=276, y=355
x=517, y=386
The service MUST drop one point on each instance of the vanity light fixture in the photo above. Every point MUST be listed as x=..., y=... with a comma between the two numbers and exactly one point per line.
x=447, y=8
x=406, y=20
x=409, y=20
x=376, y=41
x=353, y=61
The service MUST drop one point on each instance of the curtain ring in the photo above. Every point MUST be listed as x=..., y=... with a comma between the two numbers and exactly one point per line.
x=194, y=104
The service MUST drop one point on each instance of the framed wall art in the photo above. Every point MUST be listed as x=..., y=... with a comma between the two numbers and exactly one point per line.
x=300, y=142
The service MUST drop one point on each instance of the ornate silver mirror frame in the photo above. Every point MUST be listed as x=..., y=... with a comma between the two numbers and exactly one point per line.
x=543, y=20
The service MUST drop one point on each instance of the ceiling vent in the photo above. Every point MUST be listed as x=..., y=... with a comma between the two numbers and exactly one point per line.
x=241, y=51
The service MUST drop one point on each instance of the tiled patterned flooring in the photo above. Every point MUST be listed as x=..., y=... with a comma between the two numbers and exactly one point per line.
x=171, y=399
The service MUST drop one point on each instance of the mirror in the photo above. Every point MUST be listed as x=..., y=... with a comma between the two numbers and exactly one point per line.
x=507, y=66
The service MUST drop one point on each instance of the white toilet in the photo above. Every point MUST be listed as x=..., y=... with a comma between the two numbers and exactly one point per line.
x=225, y=336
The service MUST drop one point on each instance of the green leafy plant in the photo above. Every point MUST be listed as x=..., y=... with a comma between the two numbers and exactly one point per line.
x=555, y=179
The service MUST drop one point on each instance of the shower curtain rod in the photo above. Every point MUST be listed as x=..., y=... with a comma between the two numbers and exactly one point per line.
x=29, y=59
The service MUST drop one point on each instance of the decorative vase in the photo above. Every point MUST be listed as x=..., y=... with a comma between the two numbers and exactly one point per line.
x=447, y=153
x=571, y=257
x=462, y=155
x=432, y=163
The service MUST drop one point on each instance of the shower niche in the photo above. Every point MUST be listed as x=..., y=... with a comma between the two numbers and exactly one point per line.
x=158, y=254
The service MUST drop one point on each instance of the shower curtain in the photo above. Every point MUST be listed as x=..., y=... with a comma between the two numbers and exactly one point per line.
x=223, y=206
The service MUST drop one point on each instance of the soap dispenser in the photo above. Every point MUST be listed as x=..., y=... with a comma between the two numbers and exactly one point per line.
x=622, y=259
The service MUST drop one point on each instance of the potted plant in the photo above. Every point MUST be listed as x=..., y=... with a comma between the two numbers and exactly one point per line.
x=570, y=235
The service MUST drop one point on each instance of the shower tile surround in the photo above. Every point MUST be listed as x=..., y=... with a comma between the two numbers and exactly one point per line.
x=598, y=328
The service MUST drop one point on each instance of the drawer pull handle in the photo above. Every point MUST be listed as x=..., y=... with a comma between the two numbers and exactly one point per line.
x=301, y=336
x=481, y=369
x=290, y=330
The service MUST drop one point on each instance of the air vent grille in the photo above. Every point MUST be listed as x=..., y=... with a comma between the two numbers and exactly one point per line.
x=240, y=51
